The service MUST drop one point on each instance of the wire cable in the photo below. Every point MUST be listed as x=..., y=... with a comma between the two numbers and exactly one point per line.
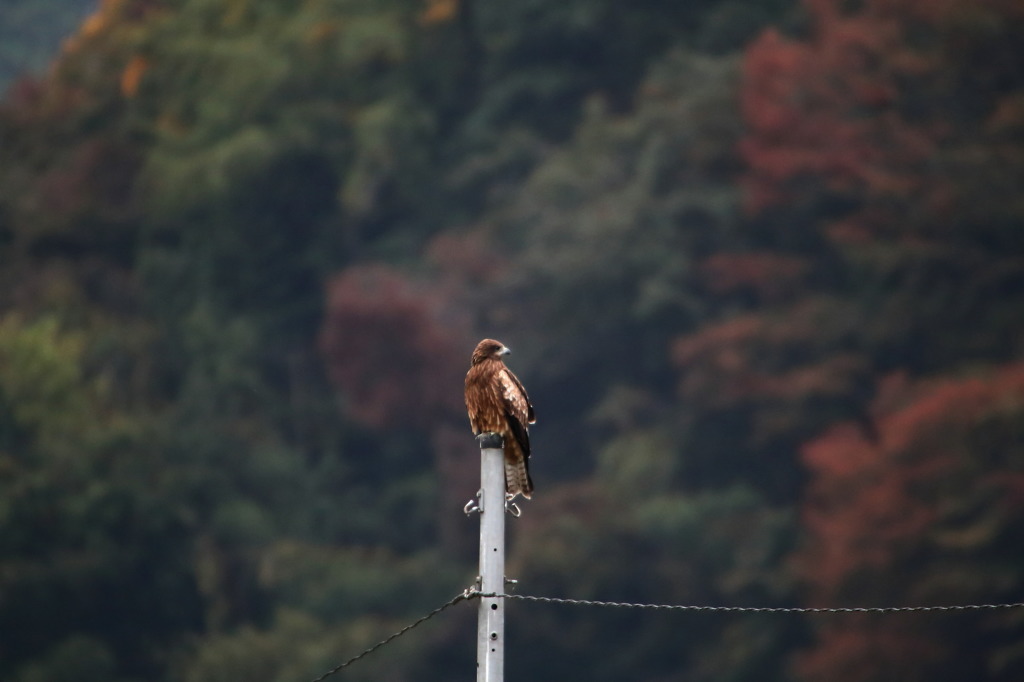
x=472, y=593
x=463, y=596
x=755, y=609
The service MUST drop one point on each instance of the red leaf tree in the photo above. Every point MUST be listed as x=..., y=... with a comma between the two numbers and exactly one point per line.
x=881, y=144
x=891, y=109
x=398, y=352
x=930, y=511
x=391, y=351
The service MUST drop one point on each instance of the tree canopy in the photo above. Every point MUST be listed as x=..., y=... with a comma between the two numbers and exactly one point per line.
x=760, y=262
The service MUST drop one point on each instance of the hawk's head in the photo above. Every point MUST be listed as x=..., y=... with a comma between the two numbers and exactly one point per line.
x=489, y=349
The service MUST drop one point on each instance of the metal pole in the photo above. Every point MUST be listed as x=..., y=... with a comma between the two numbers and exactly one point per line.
x=490, y=650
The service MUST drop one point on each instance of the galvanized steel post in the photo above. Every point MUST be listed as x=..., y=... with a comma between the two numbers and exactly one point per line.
x=490, y=652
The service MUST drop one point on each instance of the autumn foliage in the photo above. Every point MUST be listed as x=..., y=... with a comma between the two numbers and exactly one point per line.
x=761, y=263
x=939, y=486
x=863, y=137
x=872, y=112
x=390, y=350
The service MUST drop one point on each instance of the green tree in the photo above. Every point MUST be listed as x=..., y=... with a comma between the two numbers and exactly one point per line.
x=93, y=540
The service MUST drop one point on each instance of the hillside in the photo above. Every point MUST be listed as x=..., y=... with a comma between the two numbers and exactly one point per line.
x=761, y=264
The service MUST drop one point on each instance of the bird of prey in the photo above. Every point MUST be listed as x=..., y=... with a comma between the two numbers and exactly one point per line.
x=497, y=403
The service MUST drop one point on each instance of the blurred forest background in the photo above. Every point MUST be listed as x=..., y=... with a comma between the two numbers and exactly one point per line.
x=761, y=263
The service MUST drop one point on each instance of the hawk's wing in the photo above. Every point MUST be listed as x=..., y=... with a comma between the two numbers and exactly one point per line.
x=517, y=407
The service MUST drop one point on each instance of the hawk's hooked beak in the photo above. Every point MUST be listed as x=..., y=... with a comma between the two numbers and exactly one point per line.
x=505, y=350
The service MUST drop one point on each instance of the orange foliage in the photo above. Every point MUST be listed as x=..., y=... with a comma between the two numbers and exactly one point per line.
x=439, y=11
x=107, y=17
x=98, y=21
x=132, y=75
x=321, y=32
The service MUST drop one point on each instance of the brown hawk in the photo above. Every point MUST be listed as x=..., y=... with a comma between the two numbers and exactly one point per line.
x=497, y=403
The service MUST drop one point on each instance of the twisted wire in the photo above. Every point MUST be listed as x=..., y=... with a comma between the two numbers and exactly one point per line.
x=754, y=609
x=463, y=596
x=473, y=593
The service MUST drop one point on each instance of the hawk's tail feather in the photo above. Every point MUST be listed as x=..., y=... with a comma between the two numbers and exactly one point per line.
x=517, y=477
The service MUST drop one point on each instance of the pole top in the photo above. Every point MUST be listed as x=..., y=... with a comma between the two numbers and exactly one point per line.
x=490, y=441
